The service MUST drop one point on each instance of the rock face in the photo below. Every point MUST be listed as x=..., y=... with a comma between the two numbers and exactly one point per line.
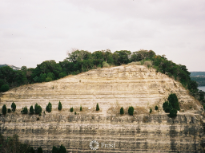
x=131, y=85
x=106, y=130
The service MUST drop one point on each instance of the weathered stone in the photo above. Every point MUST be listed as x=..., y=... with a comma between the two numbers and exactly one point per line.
x=111, y=88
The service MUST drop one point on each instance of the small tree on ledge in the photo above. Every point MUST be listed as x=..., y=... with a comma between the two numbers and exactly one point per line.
x=97, y=107
x=131, y=110
x=59, y=106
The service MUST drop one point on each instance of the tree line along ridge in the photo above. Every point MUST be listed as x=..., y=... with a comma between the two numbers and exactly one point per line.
x=80, y=61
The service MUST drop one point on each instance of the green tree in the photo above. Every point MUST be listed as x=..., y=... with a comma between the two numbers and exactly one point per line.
x=4, y=109
x=13, y=106
x=173, y=100
x=173, y=113
x=150, y=110
x=31, y=110
x=55, y=149
x=24, y=110
x=4, y=88
x=62, y=149
x=71, y=109
x=49, y=107
x=156, y=107
x=39, y=150
x=59, y=106
x=81, y=108
x=38, y=109
x=121, y=110
x=167, y=106
x=97, y=107
x=48, y=79
x=131, y=110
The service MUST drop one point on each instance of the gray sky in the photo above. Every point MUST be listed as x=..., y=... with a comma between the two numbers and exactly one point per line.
x=32, y=31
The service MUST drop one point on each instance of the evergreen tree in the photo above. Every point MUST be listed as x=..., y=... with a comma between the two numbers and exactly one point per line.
x=39, y=150
x=121, y=110
x=131, y=110
x=49, y=107
x=97, y=107
x=13, y=106
x=71, y=109
x=31, y=110
x=24, y=110
x=59, y=106
x=4, y=109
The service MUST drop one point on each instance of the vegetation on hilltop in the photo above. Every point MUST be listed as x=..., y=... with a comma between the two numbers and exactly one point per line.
x=80, y=61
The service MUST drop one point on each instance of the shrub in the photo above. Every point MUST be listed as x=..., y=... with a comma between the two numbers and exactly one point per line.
x=38, y=109
x=75, y=113
x=49, y=107
x=81, y=108
x=24, y=110
x=62, y=149
x=97, y=107
x=4, y=109
x=71, y=109
x=55, y=149
x=105, y=64
x=173, y=100
x=131, y=110
x=173, y=113
x=150, y=110
x=39, y=150
x=9, y=110
x=59, y=106
x=121, y=110
x=31, y=110
x=4, y=88
x=172, y=105
x=48, y=79
x=13, y=106
x=167, y=106
x=156, y=108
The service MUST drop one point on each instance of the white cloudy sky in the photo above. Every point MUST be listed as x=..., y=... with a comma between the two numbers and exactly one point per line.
x=32, y=31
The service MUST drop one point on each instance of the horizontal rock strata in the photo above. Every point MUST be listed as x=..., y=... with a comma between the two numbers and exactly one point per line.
x=145, y=133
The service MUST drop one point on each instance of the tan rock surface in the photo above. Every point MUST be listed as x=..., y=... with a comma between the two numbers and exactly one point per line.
x=123, y=86
x=112, y=88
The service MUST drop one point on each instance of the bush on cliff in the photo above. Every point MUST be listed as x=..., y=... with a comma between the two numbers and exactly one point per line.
x=156, y=107
x=39, y=150
x=4, y=88
x=4, y=109
x=59, y=106
x=9, y=110
x=38, y=109
x=172, y=105
x=61, y=149
x=13, y=106
x=31, y=110
x=97, y=107
x=71, y=109
x=131, y=110
x=24, y=110
x=121, y=110
x=81, y=108
x=49, y=107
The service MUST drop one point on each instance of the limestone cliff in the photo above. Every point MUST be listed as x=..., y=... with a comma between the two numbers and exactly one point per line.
x=130, y=85
x=106, y=130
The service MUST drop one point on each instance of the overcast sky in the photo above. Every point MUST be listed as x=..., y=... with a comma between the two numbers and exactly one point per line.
x=32, y=31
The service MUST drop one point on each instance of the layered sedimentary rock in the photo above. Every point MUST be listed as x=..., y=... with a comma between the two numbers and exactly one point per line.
x=131, y=85
x=106, y=130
